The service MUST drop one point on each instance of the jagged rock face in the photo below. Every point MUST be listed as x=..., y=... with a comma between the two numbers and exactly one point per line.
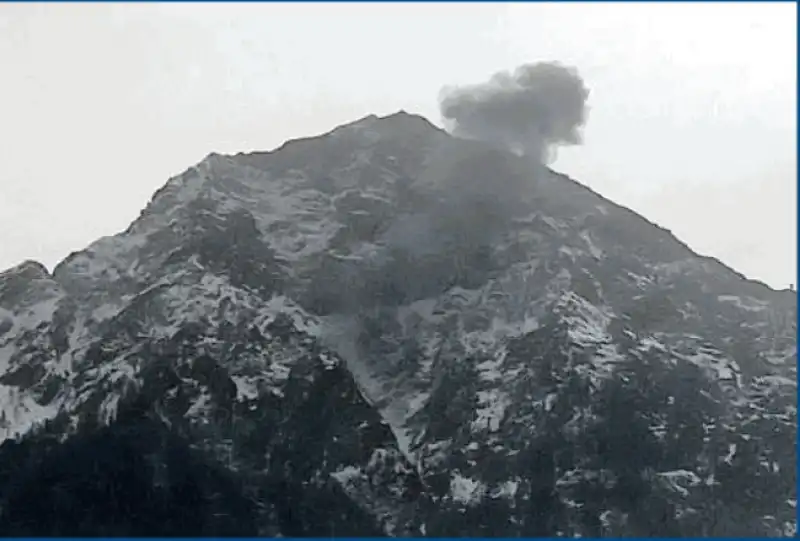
x=386, y=330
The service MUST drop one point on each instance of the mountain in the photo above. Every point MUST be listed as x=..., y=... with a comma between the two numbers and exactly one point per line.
x=386, y=330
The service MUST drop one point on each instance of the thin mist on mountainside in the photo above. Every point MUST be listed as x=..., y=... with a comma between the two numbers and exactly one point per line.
x=392, y=329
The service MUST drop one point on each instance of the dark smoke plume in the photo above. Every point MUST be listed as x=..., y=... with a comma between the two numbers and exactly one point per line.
x=529, y=111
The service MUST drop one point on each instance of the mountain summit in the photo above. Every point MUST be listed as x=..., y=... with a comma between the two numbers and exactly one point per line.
x=387, y=330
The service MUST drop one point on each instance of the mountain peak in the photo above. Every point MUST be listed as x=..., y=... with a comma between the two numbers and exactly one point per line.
x=26, y=284
x=398, y=125
x=28, y=269
x=411, y=119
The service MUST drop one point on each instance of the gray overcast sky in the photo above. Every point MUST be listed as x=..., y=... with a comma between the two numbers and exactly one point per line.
x=692, y=123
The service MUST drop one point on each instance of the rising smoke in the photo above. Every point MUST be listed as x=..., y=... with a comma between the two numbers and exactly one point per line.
x=530, y=111
x=472, y=192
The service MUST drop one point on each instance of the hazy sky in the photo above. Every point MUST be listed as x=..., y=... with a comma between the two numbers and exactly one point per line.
x=692, y=122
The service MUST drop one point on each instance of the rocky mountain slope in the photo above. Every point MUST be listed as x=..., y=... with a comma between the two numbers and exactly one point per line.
x=386, y=330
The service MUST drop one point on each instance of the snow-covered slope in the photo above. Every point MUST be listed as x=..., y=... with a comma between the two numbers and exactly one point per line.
x=432, y=336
